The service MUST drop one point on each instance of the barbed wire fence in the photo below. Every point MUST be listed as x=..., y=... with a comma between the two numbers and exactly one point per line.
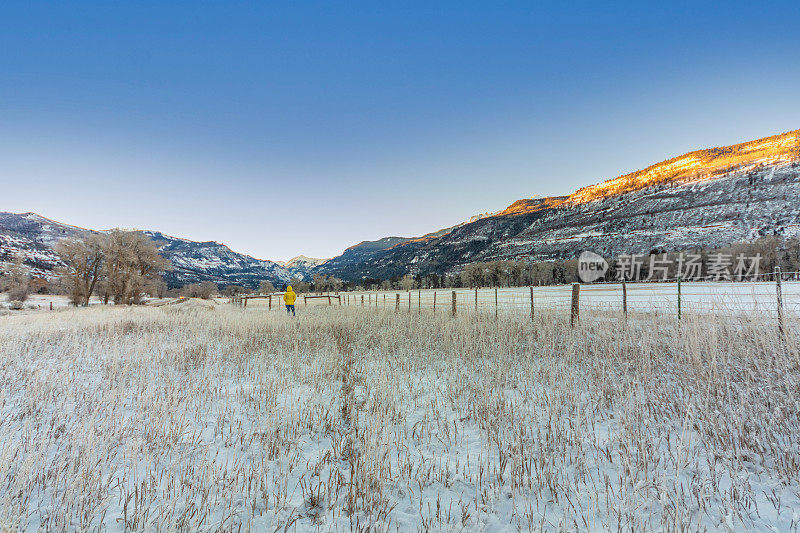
x=774, y=295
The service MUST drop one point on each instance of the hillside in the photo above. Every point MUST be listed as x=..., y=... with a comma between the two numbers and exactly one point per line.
x=354, y=258
x=211, y=261
x=34, y=237
x=709, y=197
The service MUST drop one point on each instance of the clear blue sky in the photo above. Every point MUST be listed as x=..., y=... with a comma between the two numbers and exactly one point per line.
x=292, y=127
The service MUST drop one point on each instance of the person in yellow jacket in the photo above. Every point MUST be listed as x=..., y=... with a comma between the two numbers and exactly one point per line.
x=288, y=298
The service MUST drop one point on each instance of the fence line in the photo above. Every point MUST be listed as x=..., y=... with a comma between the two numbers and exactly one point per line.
x=775, y=298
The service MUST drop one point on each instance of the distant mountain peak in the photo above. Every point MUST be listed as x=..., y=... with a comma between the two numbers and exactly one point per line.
x=302, y=260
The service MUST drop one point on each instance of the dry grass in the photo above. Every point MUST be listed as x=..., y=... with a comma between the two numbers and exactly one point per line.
x=346, y=419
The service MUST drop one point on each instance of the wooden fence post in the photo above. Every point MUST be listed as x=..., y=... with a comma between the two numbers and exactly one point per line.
x=270, y=302
x=531, y=302
x=51, y=306
x=419, y=302
x=329, y=299
x=454, y=303
x=362, y=300
x=495, y=303
x=779, y=294
x=397, y=303
x=434, y=302
x=409, y=302
x=476, y=301
x=245, y=303
x=625, y=299
x=575, y=311
x=679, y=297
x=305, y=300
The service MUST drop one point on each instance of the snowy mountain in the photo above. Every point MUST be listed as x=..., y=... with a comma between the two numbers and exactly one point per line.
x=211, y=261
x=354, y=258
x=301, y=266
x=706, y=198
x=34, y=237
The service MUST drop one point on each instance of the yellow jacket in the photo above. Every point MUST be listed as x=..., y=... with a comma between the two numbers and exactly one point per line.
x=289, y=296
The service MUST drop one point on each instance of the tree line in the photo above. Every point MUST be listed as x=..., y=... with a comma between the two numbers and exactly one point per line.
x=319, y=283
x=125, y=266
x=772, y=251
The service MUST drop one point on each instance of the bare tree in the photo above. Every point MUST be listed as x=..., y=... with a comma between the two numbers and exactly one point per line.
x=335, y=284
x=517, y=273
x=15, y=281
x=204, y=290
x=233, y=290
x=132, y=262
x=102, y=291
x=266, y=287
x=158, y=288
x=84, y=260
x=39, y=286
x=299, y=286
x=494, y=271
x=473, y=275
x=208, y=289
x=191, y=290
x=407, y=282
x=320, y=282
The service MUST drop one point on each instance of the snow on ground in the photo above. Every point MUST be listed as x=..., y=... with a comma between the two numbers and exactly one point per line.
x=215, y=417
x=39, y=303
x=60, y=302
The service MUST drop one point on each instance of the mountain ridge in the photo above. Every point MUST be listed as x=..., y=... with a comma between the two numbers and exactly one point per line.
x=710, y=196
x=529, y=228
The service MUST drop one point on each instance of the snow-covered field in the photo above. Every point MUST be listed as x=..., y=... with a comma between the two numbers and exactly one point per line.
x=204, y=417
x=60, y=302
x=43, y=301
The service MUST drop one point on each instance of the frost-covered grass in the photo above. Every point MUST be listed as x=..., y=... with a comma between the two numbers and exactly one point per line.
x=196, y=418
